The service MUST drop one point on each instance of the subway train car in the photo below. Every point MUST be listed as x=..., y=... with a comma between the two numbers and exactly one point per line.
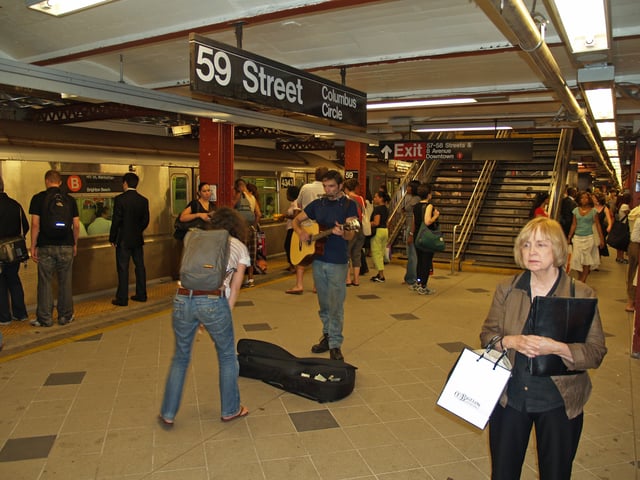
x=92, y=163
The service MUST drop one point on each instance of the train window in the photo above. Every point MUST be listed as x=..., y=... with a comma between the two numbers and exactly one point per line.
x=267, y=194
x=179, y=193
x=95, y=215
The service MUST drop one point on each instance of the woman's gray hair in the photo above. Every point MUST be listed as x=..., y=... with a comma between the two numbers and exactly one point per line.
x=549, y=229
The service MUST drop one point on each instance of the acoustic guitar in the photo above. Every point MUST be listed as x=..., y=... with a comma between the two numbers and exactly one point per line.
x=302, y=252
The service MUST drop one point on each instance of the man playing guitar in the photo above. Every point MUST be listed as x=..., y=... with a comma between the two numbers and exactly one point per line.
x=330, y=267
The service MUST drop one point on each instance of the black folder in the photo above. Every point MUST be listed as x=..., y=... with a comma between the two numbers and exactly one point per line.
x=565, y=319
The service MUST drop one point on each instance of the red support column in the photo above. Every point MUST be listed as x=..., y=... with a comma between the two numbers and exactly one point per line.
x=355, y=158
x=216, y=158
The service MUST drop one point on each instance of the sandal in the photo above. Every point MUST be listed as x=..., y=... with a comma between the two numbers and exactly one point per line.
x=243, y=412
x=293, y=291
x=164, y=423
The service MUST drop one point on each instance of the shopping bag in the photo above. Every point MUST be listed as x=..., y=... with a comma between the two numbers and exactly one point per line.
x=475, y=384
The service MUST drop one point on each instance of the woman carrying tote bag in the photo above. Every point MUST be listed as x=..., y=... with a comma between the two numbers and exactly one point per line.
x=423, y=212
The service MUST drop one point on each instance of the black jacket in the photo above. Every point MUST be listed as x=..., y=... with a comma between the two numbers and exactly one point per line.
x=130, y=218
x=13, y=221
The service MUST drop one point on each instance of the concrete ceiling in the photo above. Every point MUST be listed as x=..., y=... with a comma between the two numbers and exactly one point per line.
x=400, y=49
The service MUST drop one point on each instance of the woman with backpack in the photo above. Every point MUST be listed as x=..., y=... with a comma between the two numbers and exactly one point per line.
x=213, y=310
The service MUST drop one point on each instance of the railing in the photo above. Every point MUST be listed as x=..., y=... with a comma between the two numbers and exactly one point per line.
x=470, y=215
x=421, y=171
x=560, y=169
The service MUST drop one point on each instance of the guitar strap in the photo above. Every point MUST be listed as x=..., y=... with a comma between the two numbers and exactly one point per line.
x=345, y=206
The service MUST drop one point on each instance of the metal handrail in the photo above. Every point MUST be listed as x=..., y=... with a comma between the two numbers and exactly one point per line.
x=470, y=215
x=559, y=173
x=421, y=171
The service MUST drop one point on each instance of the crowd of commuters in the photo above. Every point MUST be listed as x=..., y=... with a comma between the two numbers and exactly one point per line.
x=541, y=250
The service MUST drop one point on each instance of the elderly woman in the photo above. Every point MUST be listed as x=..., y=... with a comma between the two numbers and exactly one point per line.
x=553, y=403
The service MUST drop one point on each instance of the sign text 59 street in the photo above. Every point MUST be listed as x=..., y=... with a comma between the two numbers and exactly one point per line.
x=221, y=70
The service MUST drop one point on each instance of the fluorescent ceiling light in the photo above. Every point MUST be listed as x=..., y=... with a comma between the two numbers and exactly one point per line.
x=471, y=127
x=462, y=128
x=610, y=144
x=600, y=102
x=607, y=129
x=419, y=103
x=58, y=8
x=584, y=23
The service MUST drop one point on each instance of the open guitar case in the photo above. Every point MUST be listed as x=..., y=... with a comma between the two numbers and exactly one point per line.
x=318, y=379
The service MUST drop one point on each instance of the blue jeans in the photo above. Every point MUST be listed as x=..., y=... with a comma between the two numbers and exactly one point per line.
x=58, y=260
x=410, y=275
x=215, y=315
x=330, y=285
x=11, y=288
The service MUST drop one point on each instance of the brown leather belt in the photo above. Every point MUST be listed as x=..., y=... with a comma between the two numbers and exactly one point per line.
x=196, y=293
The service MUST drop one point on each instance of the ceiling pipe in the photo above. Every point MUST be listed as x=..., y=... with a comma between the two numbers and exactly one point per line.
x=513, y=15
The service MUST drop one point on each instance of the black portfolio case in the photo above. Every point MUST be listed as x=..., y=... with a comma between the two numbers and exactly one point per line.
x=565, y=319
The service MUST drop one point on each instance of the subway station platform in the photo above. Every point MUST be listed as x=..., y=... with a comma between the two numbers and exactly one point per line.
x=80, y=401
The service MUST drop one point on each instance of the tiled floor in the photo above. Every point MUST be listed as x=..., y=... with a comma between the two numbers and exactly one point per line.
x=80, y=402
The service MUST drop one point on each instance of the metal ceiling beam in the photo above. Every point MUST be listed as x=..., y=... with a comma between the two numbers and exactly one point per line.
x=514, y=16
x=52, y=80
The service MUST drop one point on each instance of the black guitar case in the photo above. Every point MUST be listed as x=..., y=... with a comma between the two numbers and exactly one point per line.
x=318, y=379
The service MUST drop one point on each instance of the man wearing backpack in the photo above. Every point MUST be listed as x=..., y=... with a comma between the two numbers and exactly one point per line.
x=130, y=218
x=55, y=226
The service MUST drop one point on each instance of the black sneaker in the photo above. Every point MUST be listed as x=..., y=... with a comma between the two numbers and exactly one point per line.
x=66, y=321
x=322, y=346
x=336, y=354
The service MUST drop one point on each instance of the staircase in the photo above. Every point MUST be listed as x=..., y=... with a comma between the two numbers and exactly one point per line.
x=507, y=205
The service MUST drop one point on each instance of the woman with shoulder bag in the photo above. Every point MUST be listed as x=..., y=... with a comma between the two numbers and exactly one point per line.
x=423, y=212
x=197, y=213
x=201, y=207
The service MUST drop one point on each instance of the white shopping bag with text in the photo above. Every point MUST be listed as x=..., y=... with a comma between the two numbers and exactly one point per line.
x=475, y=384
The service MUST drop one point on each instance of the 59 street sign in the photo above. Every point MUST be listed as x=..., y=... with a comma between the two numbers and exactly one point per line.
x=222, y=70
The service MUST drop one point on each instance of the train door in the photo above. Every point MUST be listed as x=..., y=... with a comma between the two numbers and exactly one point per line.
x=181, y=192
x=181, y=181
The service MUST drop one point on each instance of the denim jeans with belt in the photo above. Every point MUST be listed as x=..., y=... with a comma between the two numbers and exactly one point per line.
x=329, y=279
x=58, y=260
x=214, y=313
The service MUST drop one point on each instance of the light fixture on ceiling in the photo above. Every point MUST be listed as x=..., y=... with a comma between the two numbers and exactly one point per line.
x=419, y=103
x=179, y=130
x=606, y=129
x=600, y=101
x=471, y=127
x=59, y=8
x=584, y=24
x=597, y=84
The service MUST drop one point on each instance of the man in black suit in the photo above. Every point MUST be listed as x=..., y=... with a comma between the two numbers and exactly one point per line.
x=130, y=218
x=567, y=205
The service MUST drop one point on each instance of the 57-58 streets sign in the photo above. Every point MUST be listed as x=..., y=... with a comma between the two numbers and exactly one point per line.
x=225, y=71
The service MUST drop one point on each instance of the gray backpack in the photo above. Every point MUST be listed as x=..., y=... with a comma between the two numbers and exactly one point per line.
x=204, y=259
